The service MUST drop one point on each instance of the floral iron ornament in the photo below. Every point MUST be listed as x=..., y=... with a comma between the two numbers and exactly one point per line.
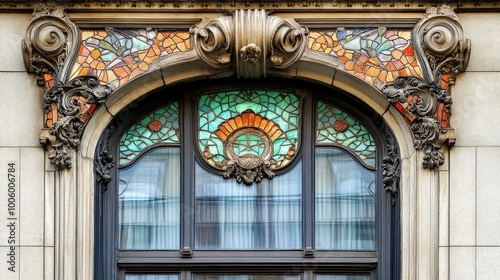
x=443, y=52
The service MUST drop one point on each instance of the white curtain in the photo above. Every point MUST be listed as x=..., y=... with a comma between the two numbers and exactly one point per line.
x=151, y=277
x=149, y=211
x=342, y=277
x=345, y=202
x=232, y=216
x=246, y=277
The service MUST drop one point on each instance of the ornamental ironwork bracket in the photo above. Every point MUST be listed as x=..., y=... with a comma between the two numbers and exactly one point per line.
x=443, y=52
x=49, y=49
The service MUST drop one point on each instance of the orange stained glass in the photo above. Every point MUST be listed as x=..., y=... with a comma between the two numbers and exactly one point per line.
x=117, y=56
x=375, y=55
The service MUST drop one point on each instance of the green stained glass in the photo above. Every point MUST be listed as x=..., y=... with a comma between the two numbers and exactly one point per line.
x=337, y=127
x=250, y=123
x=160, y=126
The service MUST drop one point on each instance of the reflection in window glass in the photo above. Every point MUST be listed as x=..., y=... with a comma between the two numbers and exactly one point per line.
x=151, y=277
x=342, y=277
x=149, y=201
x=266, y=215
x=345, y=202
x=245, y=277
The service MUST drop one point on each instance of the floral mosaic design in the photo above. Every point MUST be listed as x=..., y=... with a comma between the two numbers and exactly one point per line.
x=119, y=55
x=376, y=55
x=160, y=126
x=336, y=127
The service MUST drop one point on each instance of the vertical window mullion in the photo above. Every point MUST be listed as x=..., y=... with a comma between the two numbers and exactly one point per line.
x=308, y=133
x=187, y=210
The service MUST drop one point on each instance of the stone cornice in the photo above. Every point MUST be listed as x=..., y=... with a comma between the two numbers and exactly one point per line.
x=231, y=5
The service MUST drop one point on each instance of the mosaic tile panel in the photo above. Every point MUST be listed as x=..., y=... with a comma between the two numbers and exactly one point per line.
x=376, y=55
x=119, y=55
x=336, y=127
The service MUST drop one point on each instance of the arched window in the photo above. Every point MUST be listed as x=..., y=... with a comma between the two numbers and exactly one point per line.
x=246, y=181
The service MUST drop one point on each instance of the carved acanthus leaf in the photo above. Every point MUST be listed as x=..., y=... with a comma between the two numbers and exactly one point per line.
x=51, y=41
x=69, y=98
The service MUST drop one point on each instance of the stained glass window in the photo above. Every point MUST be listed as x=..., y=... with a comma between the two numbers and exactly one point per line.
x=160, y=126
x=336, y=127
x=248, y=125
x=212, y=208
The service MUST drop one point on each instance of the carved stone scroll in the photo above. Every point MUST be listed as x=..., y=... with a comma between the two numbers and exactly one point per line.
x=250, y=41
x=51, y=41
x=442, y=51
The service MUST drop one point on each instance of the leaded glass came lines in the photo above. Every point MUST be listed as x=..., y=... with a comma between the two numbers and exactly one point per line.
x=337, y=127
x=250, y=116
x=160, y=126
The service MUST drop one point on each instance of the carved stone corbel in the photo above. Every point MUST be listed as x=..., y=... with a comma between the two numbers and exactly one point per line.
x=70, y=98
x=250, y=41
x=442, y=50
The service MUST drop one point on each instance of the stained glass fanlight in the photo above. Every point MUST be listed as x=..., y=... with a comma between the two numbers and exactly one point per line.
x=159, y=126
x=249, y=133
x=336, y=127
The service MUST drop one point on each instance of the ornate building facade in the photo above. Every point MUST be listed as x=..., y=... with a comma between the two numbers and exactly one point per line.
x=249, y=140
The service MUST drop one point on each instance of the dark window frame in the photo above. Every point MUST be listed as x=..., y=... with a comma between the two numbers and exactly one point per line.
x=110, y=263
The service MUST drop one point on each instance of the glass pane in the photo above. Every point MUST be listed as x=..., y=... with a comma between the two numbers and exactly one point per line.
x=342, y=277
x=159, y=126
x=345, y=202
x=249, y=123
x=265, y=215
x=245, y=277
x=151, y=277
x=149, y=201
x=334, y=126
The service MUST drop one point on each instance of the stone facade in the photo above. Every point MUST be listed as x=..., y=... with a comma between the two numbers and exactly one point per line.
x=449, y=214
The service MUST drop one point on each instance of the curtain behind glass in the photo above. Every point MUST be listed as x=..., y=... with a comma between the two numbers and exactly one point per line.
x=149, y=191
x=342, y=277
x=151, y=277
x=232, y=216
x=345, y=202
x=245, y=277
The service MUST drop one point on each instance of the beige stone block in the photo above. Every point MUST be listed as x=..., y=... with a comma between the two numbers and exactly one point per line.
x=9, y=197
x=475, y=26
x=462, y=196
x=13, y=30
x=488, y=196
x=444, y=263
x=9, y=268
x=488, y=264
x=475, y=110
x=32, y=196
x=31, y=263
x=48, y=263
x=444, y=208
x=463, y=263
x=21, y=110
x=49, y=209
